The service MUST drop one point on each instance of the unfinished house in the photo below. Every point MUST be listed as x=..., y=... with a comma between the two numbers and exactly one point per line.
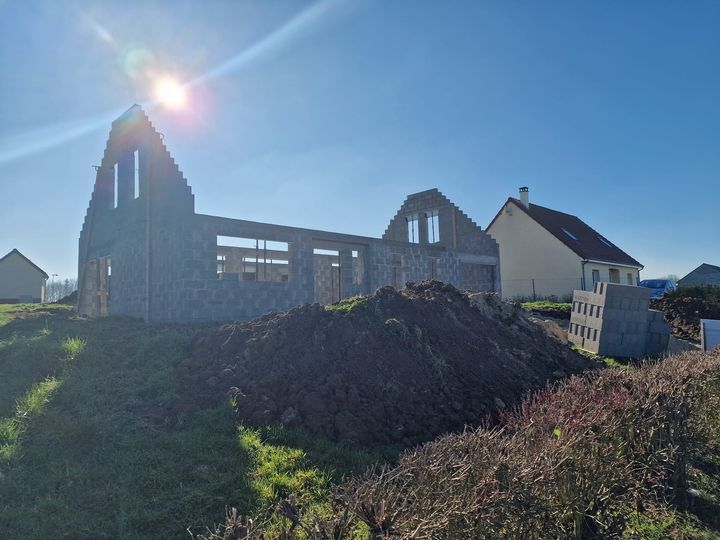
x=144, y=252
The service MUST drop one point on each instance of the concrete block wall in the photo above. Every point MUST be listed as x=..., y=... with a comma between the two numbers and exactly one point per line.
x=709, y=334
x=658, y=334
x=614, y=320
x=164, y=255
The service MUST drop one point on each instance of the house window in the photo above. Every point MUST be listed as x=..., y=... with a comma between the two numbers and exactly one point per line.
x=629, y=279
x=571, y=235
x=595, y=276
x=220, y=264
x=614, y=275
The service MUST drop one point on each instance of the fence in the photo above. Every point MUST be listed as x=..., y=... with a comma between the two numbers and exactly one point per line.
x=556, y=289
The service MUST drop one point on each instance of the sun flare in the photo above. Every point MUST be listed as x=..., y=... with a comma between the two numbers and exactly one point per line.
x=170, y=93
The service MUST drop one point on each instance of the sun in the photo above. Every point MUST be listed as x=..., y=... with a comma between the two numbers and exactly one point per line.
x=170, y=93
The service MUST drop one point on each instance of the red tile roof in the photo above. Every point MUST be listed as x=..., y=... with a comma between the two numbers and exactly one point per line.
x=585, y=241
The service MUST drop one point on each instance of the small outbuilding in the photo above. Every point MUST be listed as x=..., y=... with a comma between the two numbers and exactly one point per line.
x=21, y=280
x=705, y=274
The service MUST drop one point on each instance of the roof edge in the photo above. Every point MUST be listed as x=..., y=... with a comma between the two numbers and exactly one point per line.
x=15, y=250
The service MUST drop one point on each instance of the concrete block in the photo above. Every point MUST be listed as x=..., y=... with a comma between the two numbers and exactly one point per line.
x=709, y=334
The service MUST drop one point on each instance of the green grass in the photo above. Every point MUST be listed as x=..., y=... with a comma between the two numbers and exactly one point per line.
x=544, y=304
x=665, y=522
x=607, y=360
x=347, y=305
x=85, y=452
x=29, y=406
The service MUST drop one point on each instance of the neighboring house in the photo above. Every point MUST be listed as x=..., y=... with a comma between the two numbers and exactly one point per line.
x=546, y=253
x=21, y=280
x=705, y=274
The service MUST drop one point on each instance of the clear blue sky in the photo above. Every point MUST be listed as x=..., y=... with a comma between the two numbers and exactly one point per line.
x=327, y=114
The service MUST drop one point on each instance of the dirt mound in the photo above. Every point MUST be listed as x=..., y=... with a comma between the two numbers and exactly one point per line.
x=69, y=299
x=558, y=311
x=396, y=367
x=684, y=314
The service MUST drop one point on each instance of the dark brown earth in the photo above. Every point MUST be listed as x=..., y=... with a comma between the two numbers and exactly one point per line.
x=554, y=312
x=684, y=314
x=396, y=367
x=69, y=299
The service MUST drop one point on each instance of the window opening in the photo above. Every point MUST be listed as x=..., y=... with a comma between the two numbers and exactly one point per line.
x=332, y=252
x=571, y=235
x=629, y=279
x=136, y=168
x=434, y=262
x=115, y=186
x=254, y=259
x=434, y=226
x=413, y=236
x=595, y=276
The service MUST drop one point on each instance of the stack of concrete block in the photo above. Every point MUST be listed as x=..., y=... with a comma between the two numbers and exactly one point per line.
x=614, y=320
x=658, y=335
x=709, y=334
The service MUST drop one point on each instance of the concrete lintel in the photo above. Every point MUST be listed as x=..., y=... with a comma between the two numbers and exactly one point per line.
x=283, y=233
x=478, y=259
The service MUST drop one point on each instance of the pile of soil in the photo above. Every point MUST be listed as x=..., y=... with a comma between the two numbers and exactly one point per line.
x=70, y=299
x=684, y=314
x=396, y=367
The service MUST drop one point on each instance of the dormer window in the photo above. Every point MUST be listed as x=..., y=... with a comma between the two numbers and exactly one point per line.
x=571, y=235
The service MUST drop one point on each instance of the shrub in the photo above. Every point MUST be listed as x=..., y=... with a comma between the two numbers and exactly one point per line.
x=709, y=293
x=582, y=460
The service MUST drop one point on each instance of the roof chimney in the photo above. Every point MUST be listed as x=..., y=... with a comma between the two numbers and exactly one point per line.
x=525, y=197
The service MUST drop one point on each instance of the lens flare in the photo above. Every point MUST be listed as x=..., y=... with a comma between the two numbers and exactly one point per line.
x=170, y=93
x=137, y=62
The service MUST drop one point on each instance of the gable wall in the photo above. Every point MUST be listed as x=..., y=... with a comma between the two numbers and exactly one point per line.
x=527, y=252
x=20, y=281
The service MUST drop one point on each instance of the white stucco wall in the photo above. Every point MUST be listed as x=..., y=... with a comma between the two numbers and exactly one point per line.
x=20, y=280
x=604, y=271
x=529, y=252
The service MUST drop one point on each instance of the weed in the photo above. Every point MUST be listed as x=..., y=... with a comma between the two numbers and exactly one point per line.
x=607, y=360
x=73, y=346
x=346, y=305
x=30, y=405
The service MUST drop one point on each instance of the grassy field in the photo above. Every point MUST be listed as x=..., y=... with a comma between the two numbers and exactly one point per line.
x=82, y=458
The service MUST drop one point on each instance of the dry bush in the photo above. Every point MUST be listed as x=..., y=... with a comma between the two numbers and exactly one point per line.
x=568, y=463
